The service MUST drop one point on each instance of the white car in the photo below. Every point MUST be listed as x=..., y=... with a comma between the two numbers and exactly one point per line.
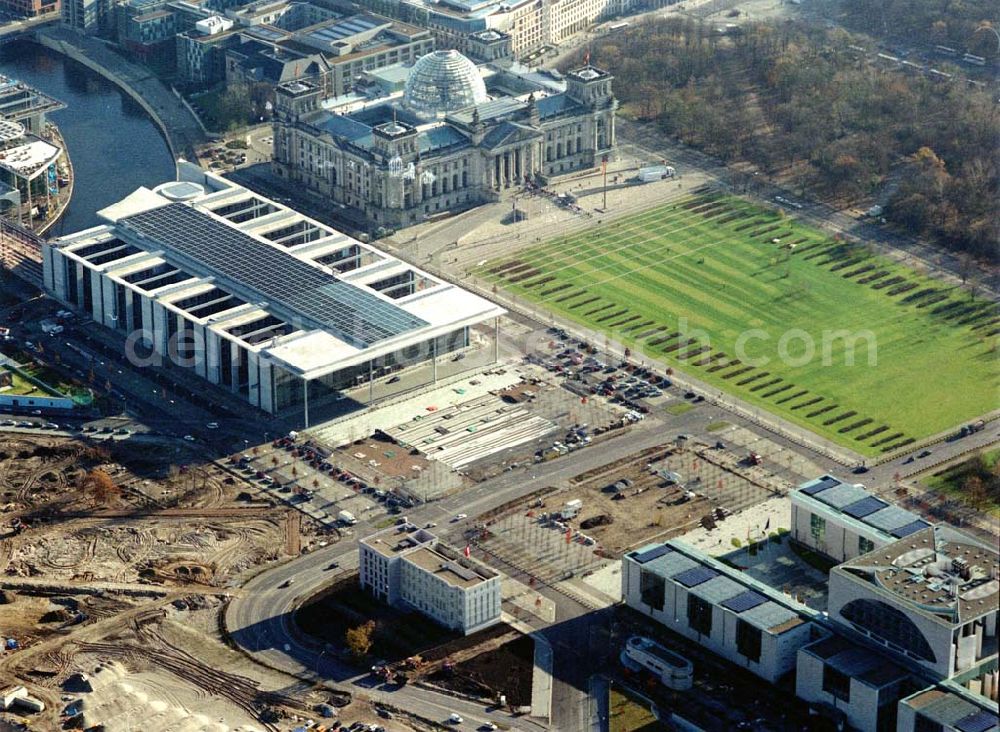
x=455, y=719
x=459, y=517
x=189, y=438
x=212, y=425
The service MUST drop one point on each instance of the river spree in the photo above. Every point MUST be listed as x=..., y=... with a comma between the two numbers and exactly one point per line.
x=114, y=146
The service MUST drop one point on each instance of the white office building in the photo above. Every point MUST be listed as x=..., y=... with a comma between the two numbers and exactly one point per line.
x=254, y=297
x=843, y=520
x=410, y=569
x=718, y=607
x=930, y=600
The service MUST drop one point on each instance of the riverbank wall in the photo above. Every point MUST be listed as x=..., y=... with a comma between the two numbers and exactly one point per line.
x=180, y=129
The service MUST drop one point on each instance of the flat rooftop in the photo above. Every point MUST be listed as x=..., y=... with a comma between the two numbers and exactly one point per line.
x=19, y=100
x=954, y=711
x=216, y=252
x=396, y=541
x=938, y=570
x=857, y=662
x=464, y=574
x=308, y=291
x=718, y=584
x=674, y=660
x=857, y=503
x=30, y=158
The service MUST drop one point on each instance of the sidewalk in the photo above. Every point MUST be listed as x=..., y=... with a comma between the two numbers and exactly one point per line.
x=541, y=679
x=181, y=130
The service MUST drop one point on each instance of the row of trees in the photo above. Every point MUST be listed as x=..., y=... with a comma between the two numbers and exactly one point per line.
x=794, y=99
x=960, y=24
x=978, y=482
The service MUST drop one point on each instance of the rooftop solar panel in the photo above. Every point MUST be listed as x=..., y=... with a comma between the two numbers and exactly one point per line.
x=890, y=517
x=820, y=485
x=718, y=589
x=860, y=509
x=695, y=576
x=842, y=495
x=744, y=601
x=651, y=554
x=353, y=314
x=908, y=529
x=981, y=721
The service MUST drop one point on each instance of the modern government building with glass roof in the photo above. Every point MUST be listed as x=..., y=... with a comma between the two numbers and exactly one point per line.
x=456, y=136
x=253, y=296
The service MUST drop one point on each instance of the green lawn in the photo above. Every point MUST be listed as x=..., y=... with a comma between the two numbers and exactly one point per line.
x=630, y=715
x=20, y=386
x=691, y=281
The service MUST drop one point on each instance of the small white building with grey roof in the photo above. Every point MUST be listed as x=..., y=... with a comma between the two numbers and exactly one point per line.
x=409, y=568
x=721, y=608
x=843, y=520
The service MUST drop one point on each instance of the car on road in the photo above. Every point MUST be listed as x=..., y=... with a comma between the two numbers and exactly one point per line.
x=459, y=517
x=189, y=438
x=384, y=713
x=923, y=453
x=288, y=582
x=393, y=380
x=488, y=727
x=860, y=470
x=212, y=426
x=455, y=719
x=332, y=565
x=430, y=525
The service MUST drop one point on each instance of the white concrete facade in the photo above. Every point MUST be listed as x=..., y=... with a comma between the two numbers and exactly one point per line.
x=408, y=568
x=853, y=684
x=843, y=520
x=258, y=346
x=929, y=599
x=763, y=638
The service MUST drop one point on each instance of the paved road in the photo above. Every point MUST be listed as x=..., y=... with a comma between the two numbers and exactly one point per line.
x=259, y=619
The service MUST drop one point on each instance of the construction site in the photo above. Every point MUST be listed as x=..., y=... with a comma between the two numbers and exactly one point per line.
x=653, y=494
x=114, y=563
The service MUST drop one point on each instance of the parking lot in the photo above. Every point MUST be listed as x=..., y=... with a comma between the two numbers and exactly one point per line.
x=308, y=479
x=545, y=548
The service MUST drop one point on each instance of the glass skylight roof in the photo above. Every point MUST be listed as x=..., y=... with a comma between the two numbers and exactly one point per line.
x=282, y=280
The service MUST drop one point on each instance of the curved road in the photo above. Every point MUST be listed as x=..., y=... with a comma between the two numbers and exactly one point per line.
x=259, y=616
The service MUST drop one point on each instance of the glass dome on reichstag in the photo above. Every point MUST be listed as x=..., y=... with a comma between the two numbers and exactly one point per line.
x=443, y=81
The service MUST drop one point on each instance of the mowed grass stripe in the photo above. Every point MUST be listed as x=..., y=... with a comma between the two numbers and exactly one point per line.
x=724, y=282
